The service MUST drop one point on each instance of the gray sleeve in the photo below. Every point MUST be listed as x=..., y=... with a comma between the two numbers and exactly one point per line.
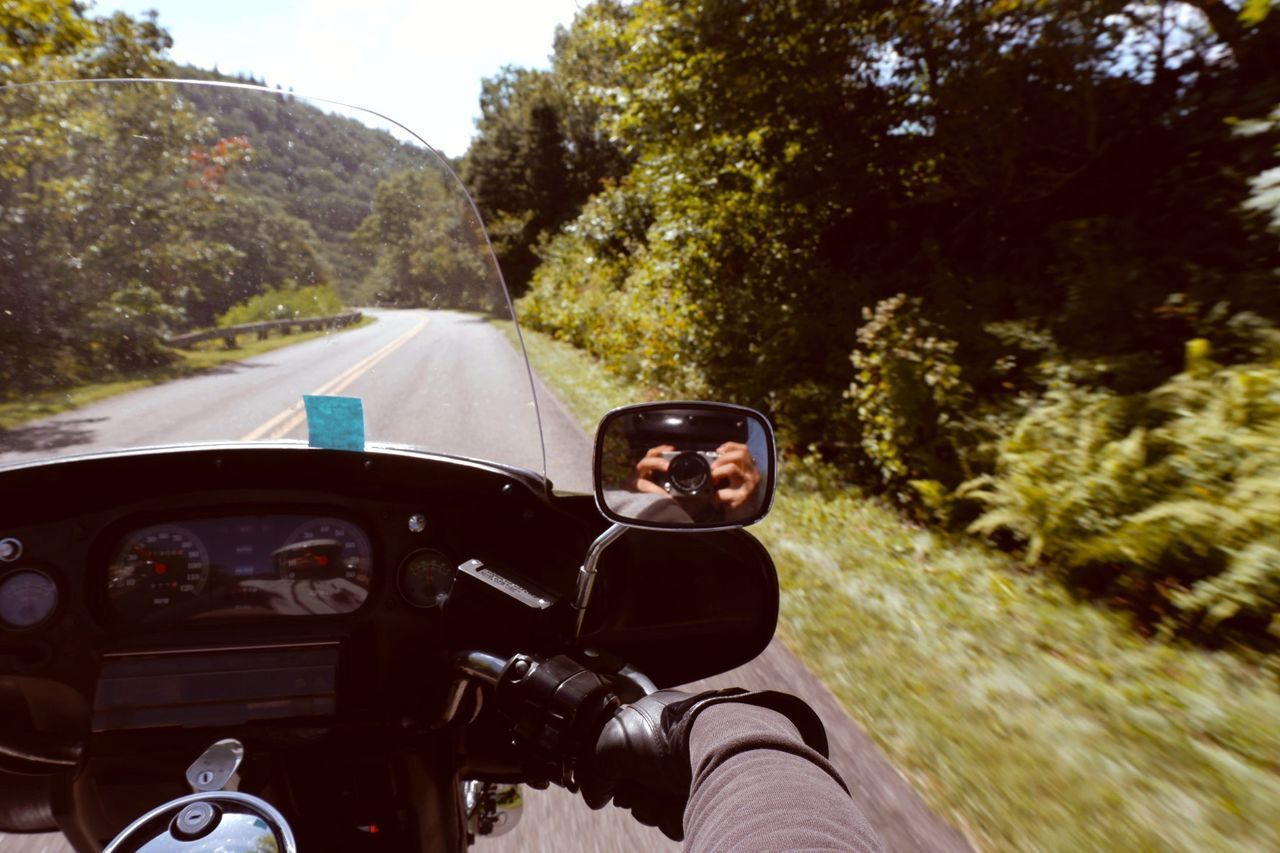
x=646, y=506
x=757, y=786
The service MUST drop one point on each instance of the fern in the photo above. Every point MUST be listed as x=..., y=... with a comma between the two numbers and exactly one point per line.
x=1176, y=490
x=1250, y=586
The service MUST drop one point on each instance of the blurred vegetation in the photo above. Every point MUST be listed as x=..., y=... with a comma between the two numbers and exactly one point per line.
x=210, y=354
x=284, y=303
x=1030, y=722
x=1168, y=497
x=913, y=233
x=909, y=398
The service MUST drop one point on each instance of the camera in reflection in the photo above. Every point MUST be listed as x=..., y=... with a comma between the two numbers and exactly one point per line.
x=683, y=465
x=688, y=472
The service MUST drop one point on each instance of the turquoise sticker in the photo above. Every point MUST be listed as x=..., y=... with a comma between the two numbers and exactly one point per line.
x=334, y=423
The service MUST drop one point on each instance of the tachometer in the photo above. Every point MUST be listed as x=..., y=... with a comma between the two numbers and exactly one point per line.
x=157, y=567
x=324, y=549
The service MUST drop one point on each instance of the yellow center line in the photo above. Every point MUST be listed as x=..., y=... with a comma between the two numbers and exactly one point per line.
x=288, y=420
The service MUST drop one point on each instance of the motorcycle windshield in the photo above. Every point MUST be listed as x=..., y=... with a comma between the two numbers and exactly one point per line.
x=185, y=262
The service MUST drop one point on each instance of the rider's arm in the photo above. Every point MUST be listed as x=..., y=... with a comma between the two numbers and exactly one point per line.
x=757, y=786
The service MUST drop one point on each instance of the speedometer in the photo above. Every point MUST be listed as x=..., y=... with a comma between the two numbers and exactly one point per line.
x=157, y=567
x=326, y=563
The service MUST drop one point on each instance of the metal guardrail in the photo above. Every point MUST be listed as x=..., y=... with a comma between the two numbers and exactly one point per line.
x=228, y=334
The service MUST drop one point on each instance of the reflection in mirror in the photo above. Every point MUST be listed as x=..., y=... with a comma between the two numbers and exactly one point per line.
x=684, y=465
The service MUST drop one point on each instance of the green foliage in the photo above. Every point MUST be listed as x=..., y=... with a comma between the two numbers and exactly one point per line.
x=1073, y=190
x=32, y=30
x=1170, y=498
x=1013, y=709
x=541, y=148
x=131, y=212
x=430, y=250
x=1265, y=186
x=127, y=332
x=909, y=401
x=270, y=245
x=591, y=291
x=129, y=216
x=1255, y=12
x=1057, y=165
x=313, y=166
x=95, y=231
x=57, y=40
x=288, y=302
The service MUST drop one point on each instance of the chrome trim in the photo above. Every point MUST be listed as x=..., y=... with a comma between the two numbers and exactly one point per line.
x=587, y=574
x=457, y=692
x=10, y=549
x=248, y=800
x=481, y=665
x=215, y=769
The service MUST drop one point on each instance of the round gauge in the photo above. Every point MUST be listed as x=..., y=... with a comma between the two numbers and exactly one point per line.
x=27, y=599
x=326, y=549
x=157, y=566
x=426, y=578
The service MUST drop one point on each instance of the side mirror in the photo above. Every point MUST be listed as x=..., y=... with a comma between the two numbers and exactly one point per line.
x=684, y=466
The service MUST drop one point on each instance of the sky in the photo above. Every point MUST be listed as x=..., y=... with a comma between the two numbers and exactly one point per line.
x=419, y=62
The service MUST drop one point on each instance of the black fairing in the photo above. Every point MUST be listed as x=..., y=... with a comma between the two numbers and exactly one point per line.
x=676, y=606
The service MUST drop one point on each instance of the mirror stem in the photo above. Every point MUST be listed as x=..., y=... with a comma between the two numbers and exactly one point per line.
x=587, y=574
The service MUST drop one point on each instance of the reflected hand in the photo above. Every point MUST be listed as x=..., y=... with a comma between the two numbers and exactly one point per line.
x=652, y=463
x=736, y=475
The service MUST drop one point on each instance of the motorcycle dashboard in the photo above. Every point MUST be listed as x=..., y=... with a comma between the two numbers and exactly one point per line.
x=142, y=557
x=238, y=566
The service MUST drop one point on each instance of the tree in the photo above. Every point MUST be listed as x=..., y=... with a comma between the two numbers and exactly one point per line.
x=541, y=149
x=428, y=246
x=33, y=32
x=55, y=39
x=1069, y=166
x=63, y=302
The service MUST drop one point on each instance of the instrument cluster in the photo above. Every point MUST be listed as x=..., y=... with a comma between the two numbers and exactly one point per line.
x=233, y=567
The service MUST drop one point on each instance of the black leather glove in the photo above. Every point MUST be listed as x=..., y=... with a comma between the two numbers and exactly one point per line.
x=641, y=756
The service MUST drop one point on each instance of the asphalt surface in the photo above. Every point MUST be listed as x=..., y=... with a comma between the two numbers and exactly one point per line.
x=442, y=380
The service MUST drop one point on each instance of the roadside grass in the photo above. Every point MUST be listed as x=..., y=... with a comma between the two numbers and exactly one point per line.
x=1031, y=720
x=203, y=357
x=576, y=377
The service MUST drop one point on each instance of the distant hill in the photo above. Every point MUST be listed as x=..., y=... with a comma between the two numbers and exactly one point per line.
x=320, y=167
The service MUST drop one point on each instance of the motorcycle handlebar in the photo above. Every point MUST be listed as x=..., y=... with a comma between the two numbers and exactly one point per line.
x=39, y=754
x=488, y=668
x=481, y=665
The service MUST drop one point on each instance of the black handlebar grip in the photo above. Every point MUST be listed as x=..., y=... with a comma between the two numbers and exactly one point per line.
x=558, y=706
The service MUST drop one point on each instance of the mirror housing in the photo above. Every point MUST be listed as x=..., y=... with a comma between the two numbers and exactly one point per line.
x=684, y=465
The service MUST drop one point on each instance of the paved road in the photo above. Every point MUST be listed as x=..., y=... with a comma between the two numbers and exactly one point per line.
x=435, y=379
x=443, y=380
